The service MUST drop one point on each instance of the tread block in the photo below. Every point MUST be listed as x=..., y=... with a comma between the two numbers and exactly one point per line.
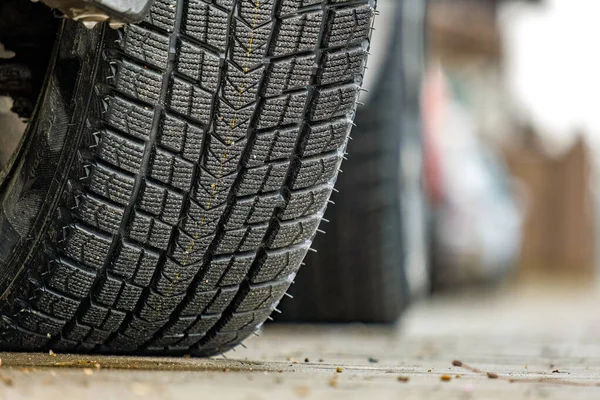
x=294, y=232
x=298, y=33
x=343, y=65
x=135, y=263
x=190, y=100
x=105, y=319
x=228, y=4
x=249, y=43
x=279, y=263
x=189, y=340
x=120, y=151
x=213, y=302
x=322, y=138
x=198, y=302
x=350, y=26
x=203, y=324
x=190, y=250
x=201, y=222
x=162, y=14
x=148, y=46
x=292, y=6
x=231, y=125
x=317, y=171
x=96, y=336
x=165, y=341
x=241, y=240
x=306, y=202
x=212, y=191
x=225, y=272
x=161, y=202
x=171, y=169
x=129, y=296
x=57, y=305
x=108, y=293
x=223, y=159
x=247, y=320
x=113, y=185
x=181, y=137
x=175, y=278
x=283, y=110
x=334, y=102
x=258, y=209
x=138, y=329
x=221, y=301
x=69, y=278
x=77, y=331
x=99, y=214
x=288, y=74
x=129, y=117
x=158, y=307
x=272, y=146
x=206, y=24
x=263, y=179
x=150, y=231
x=263, y=296
x=138, y=82
x=256, y=12
x=34, y=321
x=123, y=342
x=118, y=294
x=180, y=326
x=27, y=340
x=241, y=88
x=198, y=64
x=87, y=247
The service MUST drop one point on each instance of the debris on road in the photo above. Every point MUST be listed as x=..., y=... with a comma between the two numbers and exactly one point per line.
x=556, y=381
x=333, y=382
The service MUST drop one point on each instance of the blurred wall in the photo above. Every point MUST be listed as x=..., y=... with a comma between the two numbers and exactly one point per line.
x=558, y=234
x=522, y=64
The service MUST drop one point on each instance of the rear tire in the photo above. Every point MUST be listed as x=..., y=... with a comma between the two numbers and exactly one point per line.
x=174, y=174
x=372, y=260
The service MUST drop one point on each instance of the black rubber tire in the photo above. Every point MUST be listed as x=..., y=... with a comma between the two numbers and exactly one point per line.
x=175, y=172
x=360, y=272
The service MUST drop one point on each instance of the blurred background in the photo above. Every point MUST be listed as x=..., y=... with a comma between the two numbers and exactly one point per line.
x=514, y=82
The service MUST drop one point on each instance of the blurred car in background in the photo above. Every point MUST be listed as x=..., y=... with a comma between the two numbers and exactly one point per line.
x=476, y=219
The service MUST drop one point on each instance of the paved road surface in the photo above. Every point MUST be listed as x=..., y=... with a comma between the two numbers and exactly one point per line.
x=533, y=343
